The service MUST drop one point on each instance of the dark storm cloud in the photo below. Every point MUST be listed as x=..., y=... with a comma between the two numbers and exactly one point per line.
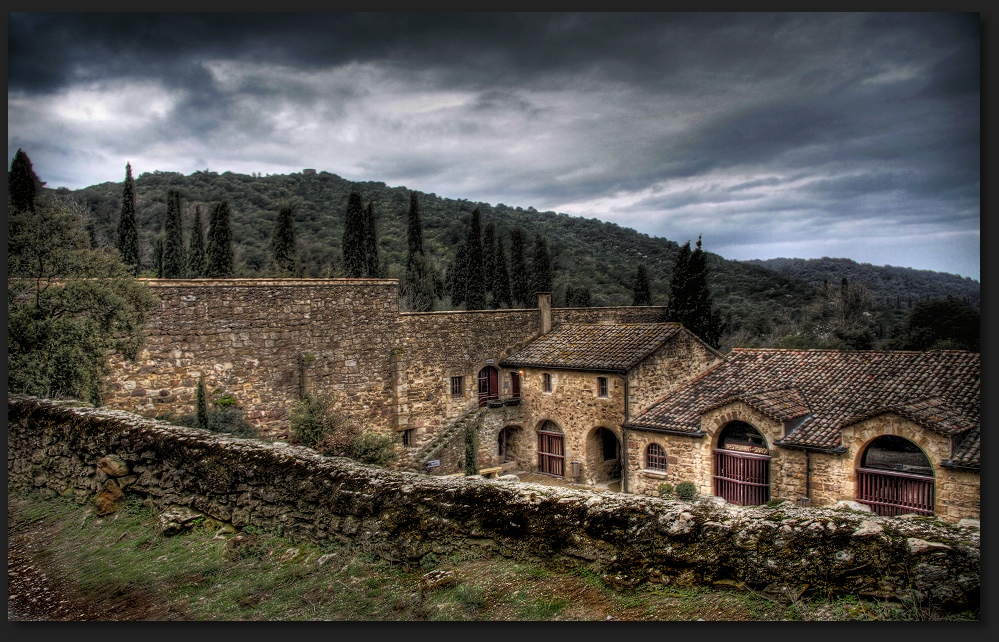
x=660, y=121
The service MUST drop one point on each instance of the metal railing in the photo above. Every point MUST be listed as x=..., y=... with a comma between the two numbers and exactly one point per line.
x=890, y=493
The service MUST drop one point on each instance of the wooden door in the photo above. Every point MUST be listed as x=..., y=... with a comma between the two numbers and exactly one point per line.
x=742, y=478
x=551, y=453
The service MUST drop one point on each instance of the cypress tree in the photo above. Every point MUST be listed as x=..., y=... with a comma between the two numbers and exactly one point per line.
x=456, y=279
x=23, y=184
x=218, y=254
x=283, y=250
x=414, y=228
x=128, y=232
x=196, y=247
x=543, y=274
x=371, y=261
x=173, y=244
x=501, y=293
x=202, y=404
x=489, y=258
x=158, y=256
x=520, y=280
x=680, y=304
x=475, y=297
x=354, y=245
x=641, y=293
x=570, y=296
x=418, y=284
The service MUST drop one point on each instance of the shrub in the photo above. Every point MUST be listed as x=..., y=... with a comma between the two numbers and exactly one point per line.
x=229, y=420
x=370, y=448
x=665, y=490
x=317, y=423
x=686, y=490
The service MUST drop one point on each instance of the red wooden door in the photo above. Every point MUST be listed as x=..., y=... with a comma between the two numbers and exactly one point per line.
x=488, y=385
x=742, y=478
x=551, y=453
x=515, y=385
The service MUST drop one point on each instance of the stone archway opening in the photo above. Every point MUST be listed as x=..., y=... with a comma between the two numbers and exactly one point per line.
x=512, y=447
x=603, y=456
x=742, y=465
x=895, y=478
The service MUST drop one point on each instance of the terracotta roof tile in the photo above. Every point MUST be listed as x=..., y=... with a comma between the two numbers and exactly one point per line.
x=593, y=346
x=938, y=390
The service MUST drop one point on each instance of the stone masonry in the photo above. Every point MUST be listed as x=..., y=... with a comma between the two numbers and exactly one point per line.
x=100, y=455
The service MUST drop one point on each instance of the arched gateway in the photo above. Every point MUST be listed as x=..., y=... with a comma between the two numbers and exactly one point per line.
x=895, y=478
x=742, y=465
x=551, y=450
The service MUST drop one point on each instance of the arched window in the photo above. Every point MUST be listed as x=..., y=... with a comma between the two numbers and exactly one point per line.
x=895, y=478
x=655, y=458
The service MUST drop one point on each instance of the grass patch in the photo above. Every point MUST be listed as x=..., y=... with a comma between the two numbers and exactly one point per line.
x=123, y=565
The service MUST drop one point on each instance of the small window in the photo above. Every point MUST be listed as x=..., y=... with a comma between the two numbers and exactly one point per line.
x=408, y=437
x=655, y=458
x=601, y=386
x=457, y=386
x=547, y=381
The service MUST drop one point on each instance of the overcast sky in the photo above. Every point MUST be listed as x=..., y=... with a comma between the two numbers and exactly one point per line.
x=773, y=135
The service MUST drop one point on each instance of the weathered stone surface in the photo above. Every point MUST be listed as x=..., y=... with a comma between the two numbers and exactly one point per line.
x=177, y=519
x=113, y=465
x=404, y=516
x=109, y=498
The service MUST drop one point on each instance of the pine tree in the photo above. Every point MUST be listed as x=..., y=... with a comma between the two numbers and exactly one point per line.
x=372, y=268
x=641, y=293
x=128, y=230
x=501, y=293
x=354, y=246
x=475, y=297
x=520, y=277
x=283, y=250
x=196, y=247
x=218, y=254
x=543, y=274
x=489, y=258
x=23, y=185
x=173, y=244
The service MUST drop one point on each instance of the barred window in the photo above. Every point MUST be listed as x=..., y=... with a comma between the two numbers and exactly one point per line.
x=655, y=458
x=601, y=386
x=547, y=377
x=457, y=386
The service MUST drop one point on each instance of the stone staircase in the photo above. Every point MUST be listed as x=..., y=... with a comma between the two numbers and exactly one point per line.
x=442, y=442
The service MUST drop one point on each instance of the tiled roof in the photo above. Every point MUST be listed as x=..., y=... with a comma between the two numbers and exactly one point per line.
x=614, y=347
x=832, y=389
x=968, y=453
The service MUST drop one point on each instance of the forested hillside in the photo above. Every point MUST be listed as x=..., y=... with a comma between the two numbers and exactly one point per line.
x=760, y=303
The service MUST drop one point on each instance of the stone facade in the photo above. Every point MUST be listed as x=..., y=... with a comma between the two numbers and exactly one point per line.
x=100, y=455
x=824, y=478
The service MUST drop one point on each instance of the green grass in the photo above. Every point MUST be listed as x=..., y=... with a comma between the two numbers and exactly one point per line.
x=122, y=563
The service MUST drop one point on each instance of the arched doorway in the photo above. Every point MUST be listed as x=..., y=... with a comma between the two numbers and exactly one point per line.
x=488, y=385
x=742, y=465
x=511, y=445
x=895, y=478
x=603, y=455
x=551, y=450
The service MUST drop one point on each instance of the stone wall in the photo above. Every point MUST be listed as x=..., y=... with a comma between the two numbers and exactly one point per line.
x=833, y=476
x=262, y=341
x=97, y=455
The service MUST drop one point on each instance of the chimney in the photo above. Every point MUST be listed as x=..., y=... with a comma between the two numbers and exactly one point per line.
x=545, y=313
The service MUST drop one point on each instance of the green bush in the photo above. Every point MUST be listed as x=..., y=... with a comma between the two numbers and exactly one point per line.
x=317, y=423
x=371, y=448
x=229, y=420
x=666, y=490
x=686, y=490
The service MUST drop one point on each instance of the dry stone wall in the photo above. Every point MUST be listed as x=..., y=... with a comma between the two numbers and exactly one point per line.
x=97, y=454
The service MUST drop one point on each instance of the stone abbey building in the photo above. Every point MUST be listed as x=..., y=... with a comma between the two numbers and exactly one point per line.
x=588, y=394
